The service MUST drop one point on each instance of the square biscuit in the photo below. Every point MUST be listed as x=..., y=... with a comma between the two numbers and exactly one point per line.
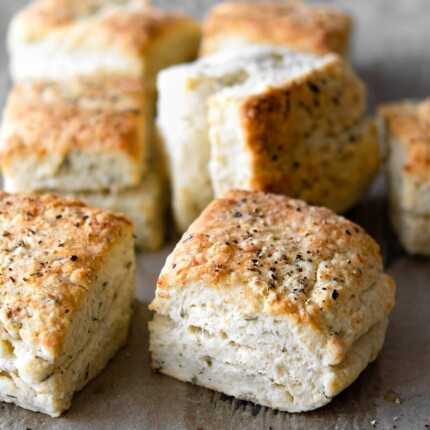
x=66, y=293
x=89, y=134
x=290, y=24
x=266, y=119
x=270, y=300
x=407, y=132
x=60, y=39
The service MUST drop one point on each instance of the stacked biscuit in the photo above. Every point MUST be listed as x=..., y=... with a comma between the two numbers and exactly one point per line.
x=80, y=119
x=291, y=24
x=267, y=119
x=271, y=300
x=67, y=288
x=407, y=129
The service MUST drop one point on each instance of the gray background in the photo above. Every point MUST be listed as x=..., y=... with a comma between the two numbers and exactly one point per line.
x=391, y=51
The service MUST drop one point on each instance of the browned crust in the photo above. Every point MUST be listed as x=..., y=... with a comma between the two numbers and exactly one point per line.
x=243, y=242
x=409, y=123
x=51, y=250
x=279, y=127
x=48, y=15
x=133, y=31
x=90, y=113
x=291, y=23
x=139, y=31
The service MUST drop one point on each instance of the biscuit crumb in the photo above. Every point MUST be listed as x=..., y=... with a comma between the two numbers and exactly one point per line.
x=391, y=396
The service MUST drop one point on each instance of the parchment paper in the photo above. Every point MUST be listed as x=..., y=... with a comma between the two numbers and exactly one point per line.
x=392, y=53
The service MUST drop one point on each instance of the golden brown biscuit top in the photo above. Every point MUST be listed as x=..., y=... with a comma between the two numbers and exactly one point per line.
x=91, y=113
x=48, y=15
x=50, y=251
x=312, y=29
x=280, y=255
x=409, y=123
x=97, y=24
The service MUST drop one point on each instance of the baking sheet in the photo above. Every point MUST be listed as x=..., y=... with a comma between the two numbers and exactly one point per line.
x=391, y=52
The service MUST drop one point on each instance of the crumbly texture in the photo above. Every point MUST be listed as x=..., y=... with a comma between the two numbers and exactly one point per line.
x=288, y=299
x=407, y=132
x=120, y=37
x=266, y=119
x=64, y=310
x=89, y=133
x=305, y=138
x=290, y=24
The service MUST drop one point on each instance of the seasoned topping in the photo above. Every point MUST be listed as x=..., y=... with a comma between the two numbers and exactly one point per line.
x=47, y=265
x=296, y=256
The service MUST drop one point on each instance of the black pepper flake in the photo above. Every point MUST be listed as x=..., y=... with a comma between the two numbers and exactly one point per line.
x=85, y=217
x=60, y=245
x=248, y=234
x=244, y=200
x=296, y=165
x=32, y=231
x=173, y=265
x=299, y=257
x=73, y=258
x=334, y=294
x=237, y=215
x=348, y=232
x=314, y=88
x=76, y=224
x=59, y=216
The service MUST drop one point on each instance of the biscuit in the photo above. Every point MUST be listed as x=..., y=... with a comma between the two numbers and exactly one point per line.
x=60, y=39
x=290, y=24
x=407, y=131
x=144, y=204
x=88, y=134
x=270, y=300
x=68, y=281
x=266, y=119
